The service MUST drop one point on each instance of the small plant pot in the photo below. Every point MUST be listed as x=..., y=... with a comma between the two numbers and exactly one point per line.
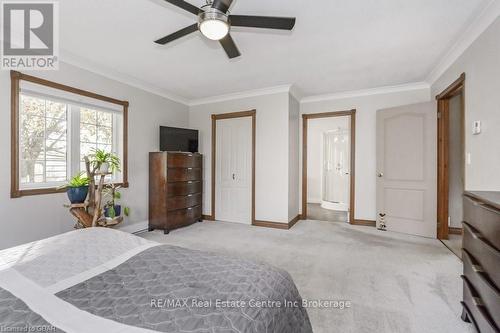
x=104, y=168
x=77, y=195
x=118, y=211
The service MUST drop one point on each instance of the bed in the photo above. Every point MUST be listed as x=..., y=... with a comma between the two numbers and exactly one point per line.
x=104, y=280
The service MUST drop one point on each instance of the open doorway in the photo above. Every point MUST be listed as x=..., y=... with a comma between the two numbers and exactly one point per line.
x=451, y=164
x=328, y=166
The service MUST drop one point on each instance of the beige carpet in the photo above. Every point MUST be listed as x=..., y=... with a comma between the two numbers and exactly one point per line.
x=396, y=283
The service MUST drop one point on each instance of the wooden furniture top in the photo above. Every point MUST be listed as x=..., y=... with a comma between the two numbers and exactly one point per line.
x=491, y=198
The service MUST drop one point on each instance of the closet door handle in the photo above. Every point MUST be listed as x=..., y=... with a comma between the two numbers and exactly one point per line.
x=234, y=176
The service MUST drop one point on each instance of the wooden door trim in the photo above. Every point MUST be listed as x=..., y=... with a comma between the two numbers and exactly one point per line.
x=443, y=125
x=352, y=196
x=215, y=117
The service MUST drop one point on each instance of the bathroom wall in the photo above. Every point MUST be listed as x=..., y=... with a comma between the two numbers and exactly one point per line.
x=315, y=130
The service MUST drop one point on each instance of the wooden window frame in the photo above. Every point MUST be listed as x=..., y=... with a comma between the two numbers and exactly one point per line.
x=16, y=77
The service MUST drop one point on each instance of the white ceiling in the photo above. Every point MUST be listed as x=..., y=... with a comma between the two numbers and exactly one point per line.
x=337, y=45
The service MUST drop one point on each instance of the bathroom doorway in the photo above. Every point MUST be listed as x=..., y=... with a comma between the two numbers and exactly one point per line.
x=328, y=177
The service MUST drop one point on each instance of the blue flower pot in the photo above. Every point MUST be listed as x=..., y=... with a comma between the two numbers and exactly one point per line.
x=77, y=195
x=118, y=211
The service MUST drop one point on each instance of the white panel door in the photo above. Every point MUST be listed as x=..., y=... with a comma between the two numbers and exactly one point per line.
x=233, y=183
x=406, y=169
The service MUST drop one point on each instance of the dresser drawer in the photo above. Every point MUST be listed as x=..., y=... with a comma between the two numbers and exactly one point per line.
x=179, y=160
x=476, y=309
x=483, y=252
x=183, y=216
x=184, y=188
x=179, y=202
x=483, y=218
x=182, y=175
x=489, y=293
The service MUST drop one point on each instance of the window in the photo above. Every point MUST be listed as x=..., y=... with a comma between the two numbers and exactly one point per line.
x=43, y=141
x=55, y=128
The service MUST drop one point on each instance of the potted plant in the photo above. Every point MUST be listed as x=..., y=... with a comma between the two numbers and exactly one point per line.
x=104, y=162
x=112, y=209
x=77, y=188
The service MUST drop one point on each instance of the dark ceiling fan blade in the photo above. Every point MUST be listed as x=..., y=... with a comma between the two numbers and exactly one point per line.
x=269, y=22
x=230, y=47
x=185, y=5
x=222, y=5
x=177, y=34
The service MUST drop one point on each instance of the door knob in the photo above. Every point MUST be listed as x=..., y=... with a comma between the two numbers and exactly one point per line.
x=380, y=175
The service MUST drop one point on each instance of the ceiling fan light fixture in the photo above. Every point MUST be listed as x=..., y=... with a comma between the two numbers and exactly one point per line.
x=214, y=29
x=213, y=24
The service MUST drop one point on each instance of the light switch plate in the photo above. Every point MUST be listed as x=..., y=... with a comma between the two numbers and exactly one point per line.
x=476, y=127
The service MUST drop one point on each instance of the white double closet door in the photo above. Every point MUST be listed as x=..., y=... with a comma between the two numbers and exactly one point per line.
x=233, y=170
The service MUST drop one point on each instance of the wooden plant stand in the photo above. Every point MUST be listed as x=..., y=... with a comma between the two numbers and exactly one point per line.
x=90, y=213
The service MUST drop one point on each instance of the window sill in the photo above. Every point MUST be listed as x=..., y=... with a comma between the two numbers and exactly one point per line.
x=50, y=190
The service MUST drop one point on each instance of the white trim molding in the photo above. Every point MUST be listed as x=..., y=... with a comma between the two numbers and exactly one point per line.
x=487, y=16
x=367, y=92
x=296, y=92
x=135, y=227
x=71, y=59
x=241, y=95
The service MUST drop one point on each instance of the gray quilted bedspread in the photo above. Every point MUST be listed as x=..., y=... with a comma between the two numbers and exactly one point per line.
x=16, y=316
x=172, y=289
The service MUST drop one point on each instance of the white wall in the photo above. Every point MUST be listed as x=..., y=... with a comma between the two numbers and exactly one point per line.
x=366, y=108
x=272, y=144
x=30, y=218
x=481, y=64
x=293, y=158
x=315, y=130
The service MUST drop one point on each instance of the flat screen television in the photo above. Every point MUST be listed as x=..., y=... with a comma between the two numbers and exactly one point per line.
x=178, y=139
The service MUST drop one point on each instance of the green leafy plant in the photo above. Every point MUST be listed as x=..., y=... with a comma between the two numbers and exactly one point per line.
x=78, y=180
x=100, y=157
x=112, y=194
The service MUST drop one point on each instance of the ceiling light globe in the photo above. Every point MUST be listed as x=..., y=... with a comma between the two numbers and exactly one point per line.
x=214, y=29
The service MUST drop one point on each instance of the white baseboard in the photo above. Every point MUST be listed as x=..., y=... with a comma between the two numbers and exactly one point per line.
x=314, y=201
x=134, y=227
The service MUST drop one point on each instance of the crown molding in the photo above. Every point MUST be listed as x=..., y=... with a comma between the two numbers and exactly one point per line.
x=366, y=92
x=71, y=59
x=486, y=17
x=241, y=95
x=296, y=92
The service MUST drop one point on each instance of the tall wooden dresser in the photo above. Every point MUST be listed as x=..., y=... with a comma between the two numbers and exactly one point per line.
x=175, y=190
x=481, y=258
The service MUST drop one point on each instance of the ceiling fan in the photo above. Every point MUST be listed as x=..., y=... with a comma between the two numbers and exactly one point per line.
x=215, y=22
